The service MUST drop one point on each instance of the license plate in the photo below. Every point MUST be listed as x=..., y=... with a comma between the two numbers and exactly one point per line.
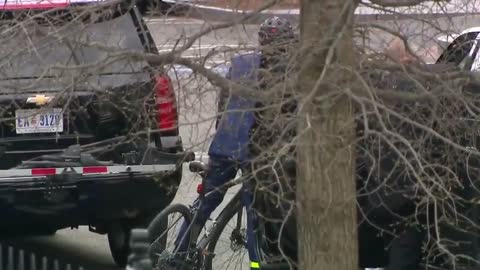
x=39, y=121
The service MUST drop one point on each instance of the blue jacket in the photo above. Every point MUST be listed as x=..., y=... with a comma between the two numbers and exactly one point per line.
x=232, y=135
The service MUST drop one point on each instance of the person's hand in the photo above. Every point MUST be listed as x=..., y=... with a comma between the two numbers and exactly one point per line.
x=397, y=52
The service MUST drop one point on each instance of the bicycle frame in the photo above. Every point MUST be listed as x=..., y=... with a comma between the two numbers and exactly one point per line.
x=200, y=246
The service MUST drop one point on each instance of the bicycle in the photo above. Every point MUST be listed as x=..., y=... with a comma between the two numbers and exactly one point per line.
x=201, y=252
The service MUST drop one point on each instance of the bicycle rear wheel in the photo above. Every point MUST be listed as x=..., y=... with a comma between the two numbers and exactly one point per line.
x=163, y=231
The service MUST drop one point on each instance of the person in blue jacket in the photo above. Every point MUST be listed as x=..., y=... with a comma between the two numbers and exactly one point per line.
x=228, y=151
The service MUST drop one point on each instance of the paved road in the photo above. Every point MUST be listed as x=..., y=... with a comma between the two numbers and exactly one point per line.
x=197, y=109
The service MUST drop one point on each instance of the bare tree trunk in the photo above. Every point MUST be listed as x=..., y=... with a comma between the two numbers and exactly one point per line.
x=327, y=223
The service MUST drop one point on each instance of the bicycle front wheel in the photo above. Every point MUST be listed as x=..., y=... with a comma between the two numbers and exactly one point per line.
x=227, y=248
x=163, y=232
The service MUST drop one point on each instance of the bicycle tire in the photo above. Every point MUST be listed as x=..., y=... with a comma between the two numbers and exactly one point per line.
x=160, y=217
x=160, y=223
x=227, y=214
x=230, y=211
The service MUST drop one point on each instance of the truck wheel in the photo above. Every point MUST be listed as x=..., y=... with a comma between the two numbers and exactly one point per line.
x=118, y=240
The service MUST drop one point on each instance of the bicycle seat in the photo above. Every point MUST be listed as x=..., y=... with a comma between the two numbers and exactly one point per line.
x=197, y=167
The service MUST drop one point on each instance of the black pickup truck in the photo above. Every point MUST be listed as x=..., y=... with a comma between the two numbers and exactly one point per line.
x=88, y=134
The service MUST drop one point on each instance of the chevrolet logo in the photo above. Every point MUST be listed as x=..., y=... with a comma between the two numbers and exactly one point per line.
x=39, y=100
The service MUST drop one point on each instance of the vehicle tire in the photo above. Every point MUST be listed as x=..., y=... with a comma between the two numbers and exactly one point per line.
x=118, y=239
x=159, y=234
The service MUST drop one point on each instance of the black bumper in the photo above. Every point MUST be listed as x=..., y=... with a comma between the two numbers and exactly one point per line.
x=61, y=202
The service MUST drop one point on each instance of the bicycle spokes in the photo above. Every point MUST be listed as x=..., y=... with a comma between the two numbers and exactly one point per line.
x=164, y=249
x=238, y=239
x=231, y=249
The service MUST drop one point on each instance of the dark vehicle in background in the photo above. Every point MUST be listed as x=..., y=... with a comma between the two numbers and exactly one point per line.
x=145, y=6
x=88, y=133
x=162, y=8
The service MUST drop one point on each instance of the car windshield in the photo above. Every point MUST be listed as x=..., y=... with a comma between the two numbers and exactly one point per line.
x=48, y=43
x=42, y=4
x=56, y=12
x=458, y=51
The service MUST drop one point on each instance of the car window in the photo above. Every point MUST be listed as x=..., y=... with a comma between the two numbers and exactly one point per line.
x=56, y=14
x=458, y=51
x=74, y=37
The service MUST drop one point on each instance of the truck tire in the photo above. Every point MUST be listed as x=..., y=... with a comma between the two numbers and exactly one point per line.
x=118, y=239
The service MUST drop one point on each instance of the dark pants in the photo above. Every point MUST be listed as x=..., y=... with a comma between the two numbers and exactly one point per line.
x=220, y=171
x=402, y=252
x=406, y=250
